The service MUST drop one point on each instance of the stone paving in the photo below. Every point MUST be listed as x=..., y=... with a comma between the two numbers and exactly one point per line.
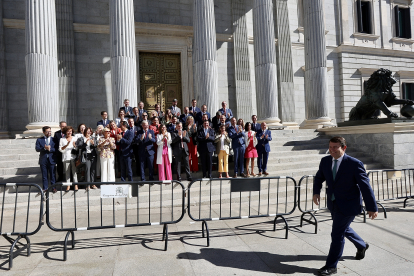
x=237, y=247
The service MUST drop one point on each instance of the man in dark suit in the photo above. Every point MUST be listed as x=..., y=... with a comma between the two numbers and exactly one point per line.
x=127, y=109
x=194, y=109
x=175, y=109
x=105, y=121
x=58, y=154
x=199, y=116
x=263, y=135
x=216, y=120
x=171, y=126
x=226, y=111
x=255, y=125
x=221, y=123
x=180, y=150
x=346, y=180
x=184, y=116
x=46, y=146
x=160, y=114
x=124, y=140
x=140, y=111
x=203, y=119
x=205, y=146
x=145, y=139
x=237, y=136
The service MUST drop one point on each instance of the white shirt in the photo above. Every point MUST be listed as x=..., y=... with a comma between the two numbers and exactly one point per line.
x=88, y=144
x=222, y=137
x=338, y=163
x=47, y=140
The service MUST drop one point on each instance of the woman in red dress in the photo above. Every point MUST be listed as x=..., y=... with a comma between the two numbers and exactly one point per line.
x=191, y=128
x=251, y=152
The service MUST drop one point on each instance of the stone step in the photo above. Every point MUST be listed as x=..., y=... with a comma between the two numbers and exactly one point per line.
x=294, y=142
x=19, y=156
x=28, y=178
x=20, y=171
x=18, y=143
x=17, y=163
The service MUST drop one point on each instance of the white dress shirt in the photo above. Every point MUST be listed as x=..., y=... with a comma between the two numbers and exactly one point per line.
x=338, y=163
x=222, y=138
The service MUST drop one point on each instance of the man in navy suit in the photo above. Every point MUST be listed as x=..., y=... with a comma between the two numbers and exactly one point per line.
x=124, y=140
x=255, y=125
x=127, y=109
x=205, y=146
x=263, y=148
x=175, y=109
x=184, y=116
x=194, y=109
x=172, y=125
x=179, y=140
x=199, y=116
x=105, y=121
x=237, y=136
x=141, y=110
x=58, y=154
x=46, y=146
x=145, y=139
x=346, y=180
x=226, y=111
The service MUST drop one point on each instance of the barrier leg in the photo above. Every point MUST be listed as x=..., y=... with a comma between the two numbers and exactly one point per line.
x=165, y=236
x=383, y=209
x=302, y=219
x=65, y=245
x=204, y=223
x=364, y=214
x=14, y=243
x=284, y=220
x=405, y=201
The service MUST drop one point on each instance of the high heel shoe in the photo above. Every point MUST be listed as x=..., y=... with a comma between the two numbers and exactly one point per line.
x=253, y=174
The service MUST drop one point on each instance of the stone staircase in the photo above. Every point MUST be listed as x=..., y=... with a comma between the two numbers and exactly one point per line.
x=294, y=153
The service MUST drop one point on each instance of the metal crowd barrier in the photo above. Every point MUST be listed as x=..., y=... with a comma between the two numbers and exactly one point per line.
x=19, y=221
x=154, y=203
x=306, y=204
x=391, y=185
x=224, y=199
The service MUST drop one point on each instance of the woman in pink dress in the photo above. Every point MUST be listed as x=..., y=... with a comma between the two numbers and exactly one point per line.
x=251, y=152
x=164, y=154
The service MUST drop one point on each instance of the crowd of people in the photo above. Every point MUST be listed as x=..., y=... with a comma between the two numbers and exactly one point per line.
x=161, y=142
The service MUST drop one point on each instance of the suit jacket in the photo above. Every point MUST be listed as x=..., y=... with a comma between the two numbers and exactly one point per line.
x=183, y=118
x=125, y=144
x=215, y=121
x=177, y=146
x=171, y=127
x=45, y=154
x=177, y=110
x=350, y=182
x=199, y=118
x=256, y=127
x=228, y=110
x=205, y=144
x=217, y=127
x=263, y=144
x=81, y=145
x=102, y=123
x=227, y=142
x=194, y=110
x=56, y=140
x=237, y=139
x=127, y=109
x=140, y=111
x=145, y=145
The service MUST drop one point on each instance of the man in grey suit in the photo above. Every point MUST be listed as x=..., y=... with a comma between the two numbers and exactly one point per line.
x=179, y=147
x=175, y=109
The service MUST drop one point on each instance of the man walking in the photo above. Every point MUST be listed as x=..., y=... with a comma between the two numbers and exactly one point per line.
x=346, y=180
x=46, y=146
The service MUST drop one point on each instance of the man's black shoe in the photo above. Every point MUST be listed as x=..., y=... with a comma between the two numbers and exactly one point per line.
x=189, y=179
x=179, y=179
x=361, y=252
x=324, y=271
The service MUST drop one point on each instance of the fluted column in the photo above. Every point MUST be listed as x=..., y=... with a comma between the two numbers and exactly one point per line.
x=123, y=56
x=66, y=61
x=3, y=92
x=41, y=66
x=316, y=101
x=204, y=57
x=265, y=62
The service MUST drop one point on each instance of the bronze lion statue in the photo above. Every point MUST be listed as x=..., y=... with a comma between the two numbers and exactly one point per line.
x=378, y=95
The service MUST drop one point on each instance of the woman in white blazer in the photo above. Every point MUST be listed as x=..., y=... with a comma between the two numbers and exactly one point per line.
x=66, y=145
x=164, y=154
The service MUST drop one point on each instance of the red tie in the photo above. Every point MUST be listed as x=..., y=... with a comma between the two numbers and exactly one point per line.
x=145, y=136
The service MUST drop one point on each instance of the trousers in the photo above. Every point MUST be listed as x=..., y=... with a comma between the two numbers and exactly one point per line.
x=107, y=169
x=164, y=169
x=68, y=165
x=223, y=159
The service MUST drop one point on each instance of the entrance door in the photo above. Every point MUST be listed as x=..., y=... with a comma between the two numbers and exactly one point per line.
x=160, y=80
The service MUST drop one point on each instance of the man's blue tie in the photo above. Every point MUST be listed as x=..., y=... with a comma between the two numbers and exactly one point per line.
x=334, y=175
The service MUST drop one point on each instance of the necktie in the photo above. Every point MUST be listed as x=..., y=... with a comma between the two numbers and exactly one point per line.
x=334, y=175
x=47, y=141
x=145, y=136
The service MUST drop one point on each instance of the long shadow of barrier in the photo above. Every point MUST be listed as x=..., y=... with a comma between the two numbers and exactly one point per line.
x=19, y=223
x=152, y=196
x=270, y=196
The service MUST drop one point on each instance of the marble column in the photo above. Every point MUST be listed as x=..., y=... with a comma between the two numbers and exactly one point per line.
x=265, y=62
x=123, y=54
x=244, y=97
x=66, y=61
x=41, y=66
x=286, y=87
x=204, y=55
x=316, y=94
x=3, y=87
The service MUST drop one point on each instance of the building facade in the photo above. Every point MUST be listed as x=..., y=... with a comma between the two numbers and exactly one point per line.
x=292, y=62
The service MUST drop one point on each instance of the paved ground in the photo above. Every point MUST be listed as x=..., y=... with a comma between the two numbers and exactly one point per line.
x=238, y=247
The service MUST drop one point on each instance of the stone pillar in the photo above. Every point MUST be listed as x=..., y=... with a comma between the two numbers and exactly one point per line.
x=4, y=114
x=204, y=55
x=41, y=66
x=66, y=61
x=244, y=98
x=316, y=94
x=286, y=87
x=123, y=55
x=265, y=62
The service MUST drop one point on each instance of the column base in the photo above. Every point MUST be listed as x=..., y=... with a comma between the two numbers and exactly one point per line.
x=323, y=122
x=5, y=135
x=291, y=125
x=275, y=121
x=35, y=129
